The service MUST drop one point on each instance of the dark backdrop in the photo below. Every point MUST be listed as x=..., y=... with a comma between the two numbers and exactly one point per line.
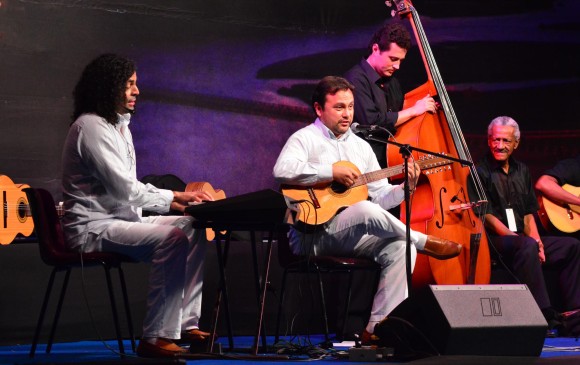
x=223, y=84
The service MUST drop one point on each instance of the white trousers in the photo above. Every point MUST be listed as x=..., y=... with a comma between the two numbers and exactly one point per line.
x=366, y=230
x=176, y=252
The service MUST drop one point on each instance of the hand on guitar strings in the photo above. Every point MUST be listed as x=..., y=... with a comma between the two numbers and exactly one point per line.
x=345, y=175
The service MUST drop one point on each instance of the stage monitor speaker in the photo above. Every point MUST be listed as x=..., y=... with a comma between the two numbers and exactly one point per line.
x=498, y=320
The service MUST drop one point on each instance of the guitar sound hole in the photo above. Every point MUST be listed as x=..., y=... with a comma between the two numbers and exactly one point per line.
x=22, y=211
x=338, y=188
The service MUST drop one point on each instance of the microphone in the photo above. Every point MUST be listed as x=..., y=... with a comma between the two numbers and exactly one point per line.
x=358, y=128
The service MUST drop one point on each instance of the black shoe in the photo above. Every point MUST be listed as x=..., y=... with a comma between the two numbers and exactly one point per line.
x=555, y=322
x=571, y=323
x=554, y=328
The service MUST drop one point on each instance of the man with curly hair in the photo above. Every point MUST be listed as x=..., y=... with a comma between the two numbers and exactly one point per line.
x=103, y=201
x=378, y=96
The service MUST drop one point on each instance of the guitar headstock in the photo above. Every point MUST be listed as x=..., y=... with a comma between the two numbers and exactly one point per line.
x=429, y=163
x=400, y=7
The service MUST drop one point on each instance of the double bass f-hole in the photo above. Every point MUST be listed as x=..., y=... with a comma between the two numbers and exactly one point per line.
x=441, y=191
x=453, y=199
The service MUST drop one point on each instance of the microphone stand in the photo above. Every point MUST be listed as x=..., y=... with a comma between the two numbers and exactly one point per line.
x=405, y=150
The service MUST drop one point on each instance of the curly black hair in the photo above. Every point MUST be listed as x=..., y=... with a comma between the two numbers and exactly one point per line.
x=393, y=32
x=102, y=86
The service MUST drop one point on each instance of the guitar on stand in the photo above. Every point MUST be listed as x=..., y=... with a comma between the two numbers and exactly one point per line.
x=15, y=217
x=563, y=217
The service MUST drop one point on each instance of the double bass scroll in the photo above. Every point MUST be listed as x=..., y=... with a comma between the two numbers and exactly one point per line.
x=436, y=194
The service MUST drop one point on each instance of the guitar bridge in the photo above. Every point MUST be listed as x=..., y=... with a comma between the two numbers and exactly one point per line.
x=313, y=198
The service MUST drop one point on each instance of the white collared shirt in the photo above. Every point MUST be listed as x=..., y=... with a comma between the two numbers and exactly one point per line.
x=309, y=154
x=100, y=180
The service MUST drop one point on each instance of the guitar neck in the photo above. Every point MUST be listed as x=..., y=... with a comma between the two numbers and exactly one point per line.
x=370, y=177
x=426, y=162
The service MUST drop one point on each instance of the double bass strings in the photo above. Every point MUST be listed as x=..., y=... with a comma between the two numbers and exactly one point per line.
x=453, y=122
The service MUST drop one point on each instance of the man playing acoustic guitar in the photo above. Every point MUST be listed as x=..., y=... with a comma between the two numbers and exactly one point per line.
x=560, y=192
x=316, y=155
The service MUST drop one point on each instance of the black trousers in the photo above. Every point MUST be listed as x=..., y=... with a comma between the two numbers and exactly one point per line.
x=520, y=254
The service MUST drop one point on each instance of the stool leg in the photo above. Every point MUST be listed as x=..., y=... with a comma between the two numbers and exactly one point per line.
x=114, y=308
x=58, y=309
x=347, y=306
x=280, y=302
x=325, y=316
x=127, y=307
x=42, y=313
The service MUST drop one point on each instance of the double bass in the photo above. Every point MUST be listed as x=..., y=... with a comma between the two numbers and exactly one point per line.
x=441, y=205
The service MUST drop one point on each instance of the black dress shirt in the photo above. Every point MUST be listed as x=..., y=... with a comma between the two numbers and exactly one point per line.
x=566, y=171
x=512, y=190
x=377, y=101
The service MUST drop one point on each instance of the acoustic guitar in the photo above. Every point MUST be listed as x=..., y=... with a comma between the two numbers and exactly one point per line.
x=216, y=194
x=563, y=217
x=15, y=215
x=319, y=203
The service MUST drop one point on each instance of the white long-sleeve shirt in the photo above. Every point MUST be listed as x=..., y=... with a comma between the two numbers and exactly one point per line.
x=309, y=154
x=100, y=180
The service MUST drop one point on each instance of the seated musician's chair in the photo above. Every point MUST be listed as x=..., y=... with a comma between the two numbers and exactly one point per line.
x=54, y=253
x=317, y=265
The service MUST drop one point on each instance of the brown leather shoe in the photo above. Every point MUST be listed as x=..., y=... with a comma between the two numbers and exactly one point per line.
x=196, y=336
x=368, y=339
x=160, y=348
x=441, y=248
